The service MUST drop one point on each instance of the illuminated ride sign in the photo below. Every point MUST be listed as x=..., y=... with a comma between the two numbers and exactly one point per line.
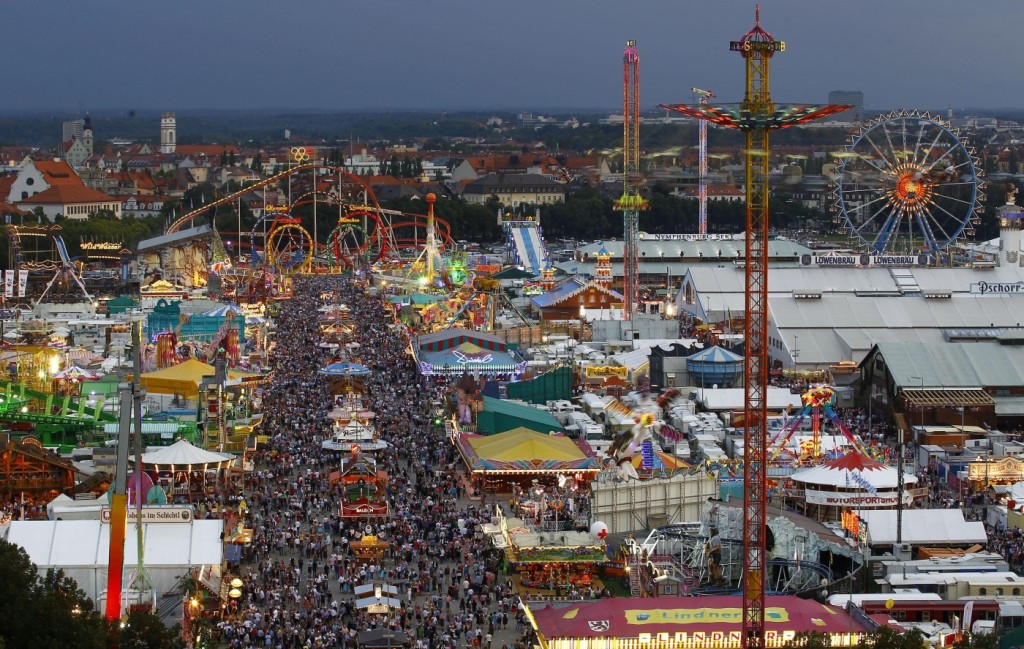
x=599, y=371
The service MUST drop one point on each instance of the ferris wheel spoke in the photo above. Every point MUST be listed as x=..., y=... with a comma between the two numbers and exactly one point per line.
x=891, y=226
x=867, y=221
x=888, y=164
x=863, y=209
x=917, y=143
x=953, y=219
x=927, y=234
x=892, y=147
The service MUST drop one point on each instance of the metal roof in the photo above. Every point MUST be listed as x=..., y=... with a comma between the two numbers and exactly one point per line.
x=953, y=365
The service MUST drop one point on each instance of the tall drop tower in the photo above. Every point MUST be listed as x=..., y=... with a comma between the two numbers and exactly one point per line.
x=757, y=116
x=702, y=164
x=631, y=202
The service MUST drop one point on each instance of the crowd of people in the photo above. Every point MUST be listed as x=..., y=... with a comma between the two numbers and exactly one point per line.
x=299, y=572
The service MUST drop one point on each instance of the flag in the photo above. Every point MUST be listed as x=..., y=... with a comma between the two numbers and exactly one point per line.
x=22, y=282
x=968, y=614
x=9, y=283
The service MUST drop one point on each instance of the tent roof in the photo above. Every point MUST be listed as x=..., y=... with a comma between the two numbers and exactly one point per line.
x=525, y=444
x=512, y=272
x=520, y=411
x=86, y=543
x=620, y=617
x=521, y=450
x=924, y=526
x=182, y=453
x=715, y=354
x=183, y=378
x=840, y=473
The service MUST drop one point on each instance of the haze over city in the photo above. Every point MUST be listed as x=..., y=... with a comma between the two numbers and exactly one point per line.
x=464, y=54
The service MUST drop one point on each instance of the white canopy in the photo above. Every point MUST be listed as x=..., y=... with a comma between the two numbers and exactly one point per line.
x=80, y=548
x=924, y=527
x=181, y=453
x=732, y=398
x=843, y=472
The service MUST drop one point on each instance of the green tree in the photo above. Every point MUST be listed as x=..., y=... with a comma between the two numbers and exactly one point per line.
x=41, y=612
x=257, y=163
x=231, y=158
x=146, y=631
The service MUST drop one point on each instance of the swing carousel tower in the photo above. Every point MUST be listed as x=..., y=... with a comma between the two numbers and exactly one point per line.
x=757, y=115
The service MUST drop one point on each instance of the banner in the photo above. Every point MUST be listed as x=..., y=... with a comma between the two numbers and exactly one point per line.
x=602, y=371
x=154, y=515
x=854, y=499
x=22, y=282
x=9, y=283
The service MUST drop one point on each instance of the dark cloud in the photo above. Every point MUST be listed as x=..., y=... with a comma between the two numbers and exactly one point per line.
x=336, y=54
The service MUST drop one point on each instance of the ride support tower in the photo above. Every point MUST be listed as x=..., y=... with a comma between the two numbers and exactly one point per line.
x=702, y=164
x=631, y=203
x=757, y=116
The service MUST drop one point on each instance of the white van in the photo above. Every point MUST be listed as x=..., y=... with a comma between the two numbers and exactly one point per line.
x=597, y=439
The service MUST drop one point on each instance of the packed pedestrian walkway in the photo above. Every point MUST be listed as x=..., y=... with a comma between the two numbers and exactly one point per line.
x=299, y=571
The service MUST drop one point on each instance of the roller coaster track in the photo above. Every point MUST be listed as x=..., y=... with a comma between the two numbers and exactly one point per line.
x=72, y=405
x=269, y=180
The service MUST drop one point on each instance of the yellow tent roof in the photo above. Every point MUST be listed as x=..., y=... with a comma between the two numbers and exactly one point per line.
x=183, y=378
x=524, y=444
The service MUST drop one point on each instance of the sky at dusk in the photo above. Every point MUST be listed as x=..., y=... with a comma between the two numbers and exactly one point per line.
x=484, y=54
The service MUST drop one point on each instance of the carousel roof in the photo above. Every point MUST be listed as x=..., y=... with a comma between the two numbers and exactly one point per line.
x=181, y=453
x=842, y=472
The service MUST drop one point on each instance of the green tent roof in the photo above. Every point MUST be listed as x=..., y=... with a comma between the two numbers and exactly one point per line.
x=512, y=272
x=499, y=416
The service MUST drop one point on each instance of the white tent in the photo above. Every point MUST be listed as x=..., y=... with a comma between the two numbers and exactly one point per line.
x=924, y=527
x=64, y=508
x=80, y=549
x=732, y=399
x=181, y=453
x=844, y=472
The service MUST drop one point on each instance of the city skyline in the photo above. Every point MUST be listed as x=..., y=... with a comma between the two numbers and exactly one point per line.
x=464, y=55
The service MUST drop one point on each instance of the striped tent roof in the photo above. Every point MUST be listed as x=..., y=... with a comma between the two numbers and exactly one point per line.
x=715, y=354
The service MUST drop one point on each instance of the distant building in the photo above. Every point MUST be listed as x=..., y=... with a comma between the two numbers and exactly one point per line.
x=515, y=189
x=78, y=148
x=168, y=133
x=854, y=98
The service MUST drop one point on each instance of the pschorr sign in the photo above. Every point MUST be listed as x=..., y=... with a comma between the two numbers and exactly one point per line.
x=154, y=515
x=998, y=288
x=854, y=499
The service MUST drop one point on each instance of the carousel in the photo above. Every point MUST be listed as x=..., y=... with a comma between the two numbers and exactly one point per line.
x=853, y=481
x=187, y=473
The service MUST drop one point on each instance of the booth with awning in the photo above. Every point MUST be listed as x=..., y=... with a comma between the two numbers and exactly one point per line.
x=452, y=352
x=499, y=415
x=524, y=451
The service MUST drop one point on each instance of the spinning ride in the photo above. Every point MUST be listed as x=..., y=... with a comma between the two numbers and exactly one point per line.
x=907, y=183
x=817, y=401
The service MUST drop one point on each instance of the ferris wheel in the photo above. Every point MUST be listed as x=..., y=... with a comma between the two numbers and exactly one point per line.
x=908, y=184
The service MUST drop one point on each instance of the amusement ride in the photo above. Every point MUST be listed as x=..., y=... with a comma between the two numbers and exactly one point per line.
x=908, y=184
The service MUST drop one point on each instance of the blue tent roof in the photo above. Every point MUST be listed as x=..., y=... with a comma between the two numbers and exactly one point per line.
x=344, y=369
x=715, y=354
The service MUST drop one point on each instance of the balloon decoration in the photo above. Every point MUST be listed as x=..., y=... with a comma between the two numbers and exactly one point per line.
x=599, y=530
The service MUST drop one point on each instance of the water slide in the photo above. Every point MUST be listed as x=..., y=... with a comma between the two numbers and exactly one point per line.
x=62, y=250
x=529, y=247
